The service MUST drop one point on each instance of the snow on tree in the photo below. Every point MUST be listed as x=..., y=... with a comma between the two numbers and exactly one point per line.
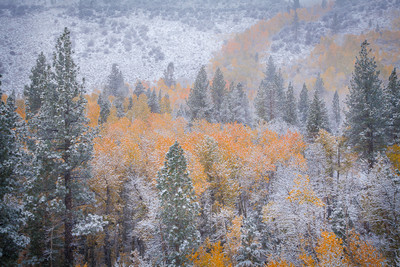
x=319, y=85
x=178, y=207
x=365, y=120
x=139, y=89
x=105, y=106
x=393, y=108
x=218, y=91
x=39, y=80
x=336, y=112
x=198, y=102
x=290, y=111
x=250, y=252
x=169, y=78
x=303, y=105
x=153, y=102
x=317, y=116
x=63, y=147
x=240, y=105
x=115, y=83
x=12, y=211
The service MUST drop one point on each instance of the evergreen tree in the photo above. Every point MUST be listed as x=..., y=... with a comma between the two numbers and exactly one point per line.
x=260, y=102
x=365, y=122
x=178, y=207
x=217, y=91
x=39, y=80
x=296, y=4
x=336, y=111
x=291, y=112
x=280, y=95
x=240, y=105
x=319, y=86
x=153, y=102
x=115, y=83
x=105, y=106
x=198, y=101
x=63, y=144
x=169, y=78
x=303, y=105
x=226, y=114
x=323, y=4
x=119, y=106
x=139, y=89
x=393, y=108
x=12, y=213
x=250, y=252
x=317, y=116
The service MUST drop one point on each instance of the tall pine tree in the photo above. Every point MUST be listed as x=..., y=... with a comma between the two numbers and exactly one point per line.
x=64, y=144
x=393, y=108
x=317, y=116
x=178, y=207
x=290, y=111
x=365, y=122
x=217, y=91
x=336, y=111
x=12, y=213
x=198, y=101
x=303, y=105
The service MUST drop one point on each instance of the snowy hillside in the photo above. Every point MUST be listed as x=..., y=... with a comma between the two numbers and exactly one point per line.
x=141, y=40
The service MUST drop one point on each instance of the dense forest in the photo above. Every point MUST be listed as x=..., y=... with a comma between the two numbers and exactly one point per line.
x=241, y=167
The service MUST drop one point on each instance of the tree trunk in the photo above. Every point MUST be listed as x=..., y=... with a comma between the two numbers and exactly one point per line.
x=68, y=223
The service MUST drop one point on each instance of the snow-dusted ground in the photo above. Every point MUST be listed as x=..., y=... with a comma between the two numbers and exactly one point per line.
x=142, y=45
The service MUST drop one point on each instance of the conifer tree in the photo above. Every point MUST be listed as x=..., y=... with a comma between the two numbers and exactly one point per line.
x=393, y=108
x=165, y=106
x=319, y=86
x=178, y=207
x=39, y=77
x=303, y=105
x=336, y=110
x=226, y=114
x=240, y=105
x=365, y=122
x=217, y=91
x=296, y=25
x=169, y=78
x=105, y=106
x=64, y=143
x=153, y=102
x=317, y=116
x=12, y=211
x=260, y=102
x=280, y=95
x=291, y=112
x=115, y=83
x=139, y=89
x=250, y=252
x=198, y=101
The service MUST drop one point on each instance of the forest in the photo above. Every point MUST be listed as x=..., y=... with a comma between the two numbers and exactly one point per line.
x=251, y=171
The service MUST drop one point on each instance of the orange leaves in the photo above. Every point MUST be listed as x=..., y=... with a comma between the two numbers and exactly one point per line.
x=363, y=253
x=393, y=154
x=303, y=193
x=330, y=251
x=210, y=254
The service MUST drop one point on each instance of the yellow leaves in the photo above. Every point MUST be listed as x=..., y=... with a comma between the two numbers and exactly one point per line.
x=302, y=192
x=363, y=253
x=393, y=154
x=330, y=251
x=210, y=254
x=282, y=263
x=233, y=235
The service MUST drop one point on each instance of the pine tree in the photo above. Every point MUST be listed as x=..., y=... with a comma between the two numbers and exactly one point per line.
x=280, y=95
x=12, y=213
x=178, y=207
x=217, y=91
x=165, y=106
x=303, y=105
x=317, y=116
x=291, y=112
x=323, y=4
x=319, y=86
x=115, y=83
x=198, y=101
x=39, y=80
x=240, y=105
x=393, y=108
x=226, y=114
x=64, y=142
x=260, y=102
x=250, y=252
x=336, y=111
x=105, y=106
x=153, y=102
x=365, y=122
x=119, y=105
x=139, y=89
x=169, y=78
